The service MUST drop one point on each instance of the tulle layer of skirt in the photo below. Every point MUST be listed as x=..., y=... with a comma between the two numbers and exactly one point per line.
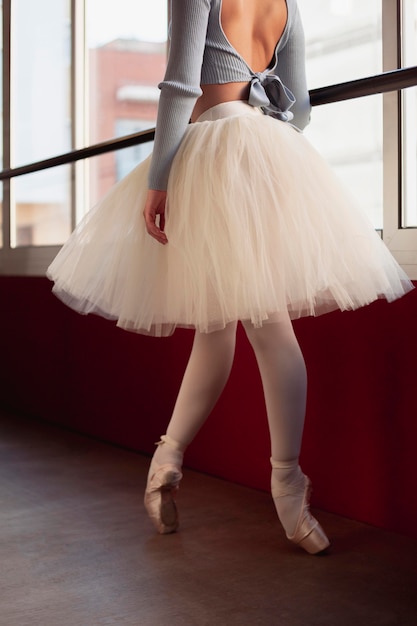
x=257, y=223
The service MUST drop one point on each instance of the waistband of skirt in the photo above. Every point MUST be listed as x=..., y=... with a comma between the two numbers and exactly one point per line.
x=228, y=109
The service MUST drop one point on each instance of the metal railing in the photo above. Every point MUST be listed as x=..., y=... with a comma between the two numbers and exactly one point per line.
x=388, y=81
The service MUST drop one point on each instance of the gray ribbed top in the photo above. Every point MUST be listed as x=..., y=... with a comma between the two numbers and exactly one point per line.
x=200, y=54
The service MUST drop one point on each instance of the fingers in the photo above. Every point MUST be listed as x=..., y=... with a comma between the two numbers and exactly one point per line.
x=154, y=231
x=162, y=222
x=155, y=205
x=158, y=234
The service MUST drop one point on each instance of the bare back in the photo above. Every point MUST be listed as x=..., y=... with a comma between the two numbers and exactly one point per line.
x=253, y=27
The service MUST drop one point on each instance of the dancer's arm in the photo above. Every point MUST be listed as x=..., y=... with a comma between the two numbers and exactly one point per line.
x=291, y=70
x=181, y=85
x=179, y=92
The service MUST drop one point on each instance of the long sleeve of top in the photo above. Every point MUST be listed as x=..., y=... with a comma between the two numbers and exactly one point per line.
x=181, y=85
x=290, y=68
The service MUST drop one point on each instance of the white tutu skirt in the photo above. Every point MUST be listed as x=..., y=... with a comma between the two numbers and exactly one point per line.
x=257, y=224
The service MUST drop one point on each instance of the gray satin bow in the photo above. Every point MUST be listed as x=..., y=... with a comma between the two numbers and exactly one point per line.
x=269, y=92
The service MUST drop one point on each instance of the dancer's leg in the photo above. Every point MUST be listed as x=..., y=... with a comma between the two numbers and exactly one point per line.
x=205, y=377
x=284, y=379
x=206, y=374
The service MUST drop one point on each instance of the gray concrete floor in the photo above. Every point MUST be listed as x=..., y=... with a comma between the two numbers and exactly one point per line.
x=76, y=549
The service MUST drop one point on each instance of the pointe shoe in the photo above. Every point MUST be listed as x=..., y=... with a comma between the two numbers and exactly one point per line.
x=161, y=489
x=308, y=533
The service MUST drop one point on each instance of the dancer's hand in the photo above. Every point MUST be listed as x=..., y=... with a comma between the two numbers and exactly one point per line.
x=155, y=205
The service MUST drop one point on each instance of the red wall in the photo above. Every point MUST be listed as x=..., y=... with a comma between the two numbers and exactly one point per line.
x=361, y=431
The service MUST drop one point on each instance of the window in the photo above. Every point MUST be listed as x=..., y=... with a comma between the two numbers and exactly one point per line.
x=40, y=123
x=344, y=42
x=343, y=39
x=399, y=31
x=89, y=73
x=126, y=59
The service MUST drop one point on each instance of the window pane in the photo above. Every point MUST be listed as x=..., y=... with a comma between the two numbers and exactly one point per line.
x=41, y=119
x=344, y=42
x=40, y=80
x=41, y=207
x=349, y=135
x=343, y=39
x=127, y=60
x=127, y=48
x=409, y=217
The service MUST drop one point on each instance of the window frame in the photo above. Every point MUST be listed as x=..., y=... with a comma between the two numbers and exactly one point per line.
x=402, y=242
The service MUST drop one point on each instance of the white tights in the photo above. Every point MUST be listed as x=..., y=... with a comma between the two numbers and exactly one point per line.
x=284, y=381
